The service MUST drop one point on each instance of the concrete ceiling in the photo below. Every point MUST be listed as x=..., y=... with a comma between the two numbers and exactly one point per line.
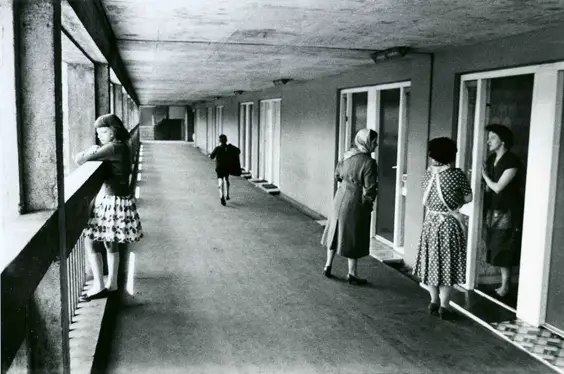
x=179, y=51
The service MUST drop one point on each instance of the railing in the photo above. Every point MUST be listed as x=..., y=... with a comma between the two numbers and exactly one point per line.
x=32, y=306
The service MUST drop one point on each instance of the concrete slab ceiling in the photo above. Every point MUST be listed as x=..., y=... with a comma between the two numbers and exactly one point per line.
x=179, y=51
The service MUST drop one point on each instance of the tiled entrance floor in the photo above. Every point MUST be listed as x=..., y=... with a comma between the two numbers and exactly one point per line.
x=539, y=342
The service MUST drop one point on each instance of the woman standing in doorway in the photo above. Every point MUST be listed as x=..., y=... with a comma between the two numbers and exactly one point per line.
x=503, y=204
x=114, y=219
x=348, y=229
x=441, y=255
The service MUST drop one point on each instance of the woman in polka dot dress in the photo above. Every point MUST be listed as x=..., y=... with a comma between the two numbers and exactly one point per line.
x=441, y=255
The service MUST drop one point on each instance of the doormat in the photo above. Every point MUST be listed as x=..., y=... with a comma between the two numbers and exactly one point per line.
x=269, y=186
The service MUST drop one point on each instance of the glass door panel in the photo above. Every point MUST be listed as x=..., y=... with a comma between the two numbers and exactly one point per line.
x=359, y=111
x=387, y=168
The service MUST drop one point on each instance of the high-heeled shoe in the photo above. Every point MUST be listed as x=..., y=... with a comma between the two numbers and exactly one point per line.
x=356, y=280
x=433, y=309
x=327, y=271
x=446, y=314
x=98, y=295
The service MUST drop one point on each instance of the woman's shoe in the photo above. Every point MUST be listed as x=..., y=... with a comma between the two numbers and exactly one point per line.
x=99, y=295
x=433, y=309
x=446, y=314
x=355, y=280
x=327, y=271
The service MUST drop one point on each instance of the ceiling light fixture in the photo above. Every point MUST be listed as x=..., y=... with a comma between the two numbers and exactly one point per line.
x=281, y=82
x=238, y=92
x=389, y=54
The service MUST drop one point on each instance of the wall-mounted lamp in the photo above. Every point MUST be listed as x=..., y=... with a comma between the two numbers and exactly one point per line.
x=281, y=82
x=389, y=54
x=238, y=92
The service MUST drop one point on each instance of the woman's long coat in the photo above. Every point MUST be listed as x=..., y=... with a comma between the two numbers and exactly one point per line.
x=348, y=227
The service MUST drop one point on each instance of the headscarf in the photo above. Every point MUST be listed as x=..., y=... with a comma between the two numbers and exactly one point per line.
x=112, y=121
x=364, y=142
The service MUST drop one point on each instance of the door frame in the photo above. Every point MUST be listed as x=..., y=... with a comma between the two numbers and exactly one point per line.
x=542, y=164
x=245, y=123
x=373, y=122
x=269, y=141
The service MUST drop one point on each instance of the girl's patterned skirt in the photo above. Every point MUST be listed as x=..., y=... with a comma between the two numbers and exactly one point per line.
x=114, y=219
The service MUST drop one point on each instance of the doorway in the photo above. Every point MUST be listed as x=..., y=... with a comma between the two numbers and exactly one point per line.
x=382, y=108
x=245, y=134
x=269, y=134
x=527, y=101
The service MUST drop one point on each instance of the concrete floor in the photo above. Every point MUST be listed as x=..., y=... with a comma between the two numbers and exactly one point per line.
x=238, y=289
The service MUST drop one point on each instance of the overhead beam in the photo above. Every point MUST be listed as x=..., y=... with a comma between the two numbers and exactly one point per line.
x=92, y=15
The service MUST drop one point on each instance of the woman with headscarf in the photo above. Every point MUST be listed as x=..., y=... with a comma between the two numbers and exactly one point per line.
x=348, y=228
x=441, y=254
x=114, y=218
x=503, y=203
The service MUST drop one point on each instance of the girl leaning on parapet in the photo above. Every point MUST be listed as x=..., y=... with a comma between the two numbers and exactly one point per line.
x=114, y=218
x=348, y=228
x=441, y=254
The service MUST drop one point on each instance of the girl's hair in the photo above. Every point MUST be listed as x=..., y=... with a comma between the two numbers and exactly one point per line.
x=112, y=121
x=442, y=150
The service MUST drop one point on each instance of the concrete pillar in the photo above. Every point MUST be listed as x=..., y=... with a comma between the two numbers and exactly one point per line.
x=102, y=88
x=81, y=109
x=9, y=167
x=129, y=113
x=38, y=24
x=124, y=107
x=118, y=104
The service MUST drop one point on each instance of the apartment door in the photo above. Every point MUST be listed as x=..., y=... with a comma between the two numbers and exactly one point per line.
x=210, y=129
x=218, y=122
x=269, y=152
x=525, y=100
x=384, y=109
x=245, y=126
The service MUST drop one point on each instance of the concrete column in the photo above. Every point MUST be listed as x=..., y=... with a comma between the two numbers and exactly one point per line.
x=129, y=113
x=102, y=88
x=118, y=104
x=82, y=101
x=41, y=154
x=124, y=112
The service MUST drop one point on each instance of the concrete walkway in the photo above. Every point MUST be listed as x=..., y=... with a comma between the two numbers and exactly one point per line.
x=238, y=289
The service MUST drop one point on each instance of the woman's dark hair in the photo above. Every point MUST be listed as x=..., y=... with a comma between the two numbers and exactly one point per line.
x=442, y=150
x=112, y=121
x=504, y=133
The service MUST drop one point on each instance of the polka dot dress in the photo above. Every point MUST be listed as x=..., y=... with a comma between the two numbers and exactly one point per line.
x=441, y=254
